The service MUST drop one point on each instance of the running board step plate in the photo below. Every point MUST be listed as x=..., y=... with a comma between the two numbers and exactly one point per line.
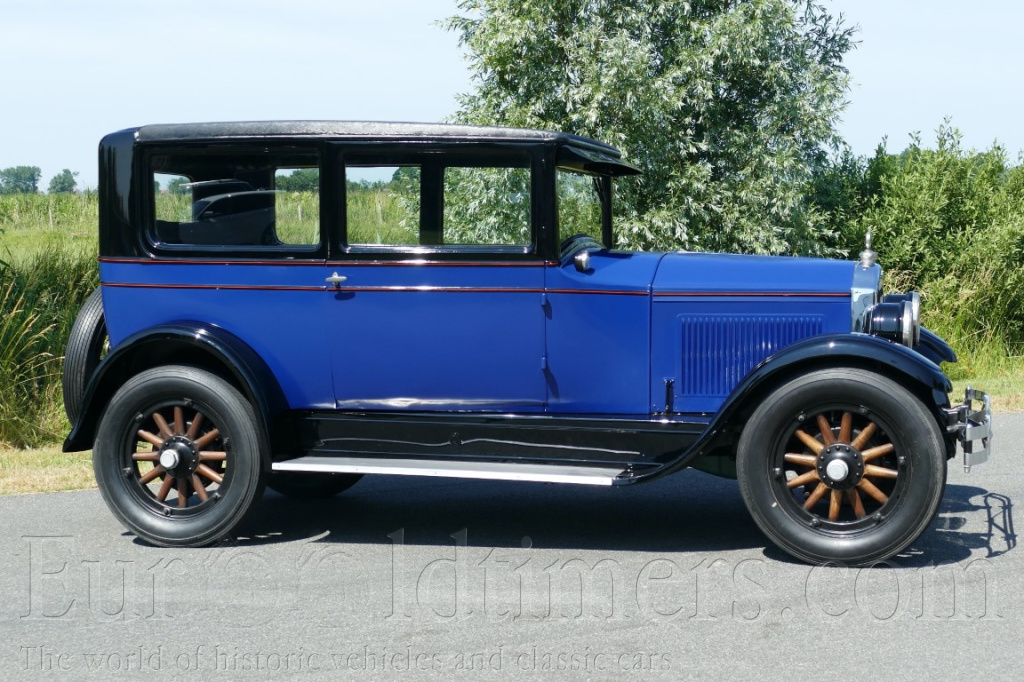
x=493, y=471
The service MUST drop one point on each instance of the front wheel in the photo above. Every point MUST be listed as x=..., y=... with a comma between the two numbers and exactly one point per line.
x=178, y=456
x=843, y=466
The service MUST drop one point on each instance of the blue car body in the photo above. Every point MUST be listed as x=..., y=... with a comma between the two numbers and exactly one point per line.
x=501, y=337
x=434, y=342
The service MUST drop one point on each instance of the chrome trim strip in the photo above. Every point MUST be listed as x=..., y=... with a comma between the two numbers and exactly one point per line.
x=492, y=471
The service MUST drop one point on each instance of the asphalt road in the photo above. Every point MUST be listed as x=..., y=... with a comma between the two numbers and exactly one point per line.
x=409, y=578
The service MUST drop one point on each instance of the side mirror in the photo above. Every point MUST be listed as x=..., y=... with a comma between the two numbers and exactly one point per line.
x=582, y=261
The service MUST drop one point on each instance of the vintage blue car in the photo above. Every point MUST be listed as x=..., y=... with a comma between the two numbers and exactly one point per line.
x=297, y=304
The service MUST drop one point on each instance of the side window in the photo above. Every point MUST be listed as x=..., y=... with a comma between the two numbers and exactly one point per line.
x=297, y=205
x=579, y=205
x=439, y=200
x=246, y=200
x=487, y=206
x=383, y=205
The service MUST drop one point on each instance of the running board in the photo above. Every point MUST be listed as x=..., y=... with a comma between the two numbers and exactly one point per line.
x=493, y=471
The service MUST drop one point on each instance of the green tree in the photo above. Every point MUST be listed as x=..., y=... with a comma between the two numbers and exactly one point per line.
x=178, y=186
x=300, y=180
x=728, y=107
x=63, y=183
x=20, y=180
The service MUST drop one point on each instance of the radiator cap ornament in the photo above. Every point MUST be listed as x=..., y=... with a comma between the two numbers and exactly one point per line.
x=867, y=256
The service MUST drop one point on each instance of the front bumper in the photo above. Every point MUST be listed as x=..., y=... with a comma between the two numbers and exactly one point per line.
x=973, y=427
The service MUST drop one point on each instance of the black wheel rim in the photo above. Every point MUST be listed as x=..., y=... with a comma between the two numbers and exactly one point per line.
x=840, y=469
x=176, y=458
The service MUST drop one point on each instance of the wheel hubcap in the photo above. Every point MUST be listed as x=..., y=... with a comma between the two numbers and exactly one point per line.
x=840, y=467
x=836, y=469
x=168, y=459
x=178, y=455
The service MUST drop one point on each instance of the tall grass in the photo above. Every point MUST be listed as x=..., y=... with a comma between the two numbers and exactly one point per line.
x=28, y=371
x=40, y=294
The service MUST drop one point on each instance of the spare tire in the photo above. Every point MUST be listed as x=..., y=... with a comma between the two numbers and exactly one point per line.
x=83, y=353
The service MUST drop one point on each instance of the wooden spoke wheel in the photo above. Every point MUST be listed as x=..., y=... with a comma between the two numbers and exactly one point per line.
x=173, y=459
x=842, y=466
x=178, y=456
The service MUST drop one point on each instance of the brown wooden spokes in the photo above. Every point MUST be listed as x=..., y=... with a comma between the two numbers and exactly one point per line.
x=835, y=464
x=834, y=505
x=816, y=496
x=188, y=467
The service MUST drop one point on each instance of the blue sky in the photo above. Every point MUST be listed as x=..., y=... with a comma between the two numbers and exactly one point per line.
x=77, y=70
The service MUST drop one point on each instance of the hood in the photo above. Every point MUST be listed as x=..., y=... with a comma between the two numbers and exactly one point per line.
x=716, y=273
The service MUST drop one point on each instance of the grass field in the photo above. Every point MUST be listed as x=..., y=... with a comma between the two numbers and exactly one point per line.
x=45, y=469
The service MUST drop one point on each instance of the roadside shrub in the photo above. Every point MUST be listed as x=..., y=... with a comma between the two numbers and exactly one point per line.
x=950, y=223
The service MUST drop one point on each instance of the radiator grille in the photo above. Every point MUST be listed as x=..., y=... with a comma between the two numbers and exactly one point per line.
x=718, y=351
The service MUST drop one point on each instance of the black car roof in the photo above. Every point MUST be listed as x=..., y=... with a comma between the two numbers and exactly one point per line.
x=173, y=132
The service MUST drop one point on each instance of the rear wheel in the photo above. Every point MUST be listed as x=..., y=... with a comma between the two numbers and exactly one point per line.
x=178, y=456
x=842, y=466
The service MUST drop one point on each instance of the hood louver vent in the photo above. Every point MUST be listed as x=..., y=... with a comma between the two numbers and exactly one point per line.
x=719, y=350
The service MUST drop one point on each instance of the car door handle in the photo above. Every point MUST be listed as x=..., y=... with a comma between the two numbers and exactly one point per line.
x=336, y=279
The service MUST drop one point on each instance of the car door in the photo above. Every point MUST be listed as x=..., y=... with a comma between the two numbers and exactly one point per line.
x=598, y=308
x=235, y=243
x=437, y=303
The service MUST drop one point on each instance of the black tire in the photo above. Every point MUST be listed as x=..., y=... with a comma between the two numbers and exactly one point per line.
x=310, y=486
x=896, y=469
x=214, y=473
x=83, y=353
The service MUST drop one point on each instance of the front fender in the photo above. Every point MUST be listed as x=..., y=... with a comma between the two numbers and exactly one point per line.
x=919, y=374
x=934, y=348
x=187, y=343
x=837, y=350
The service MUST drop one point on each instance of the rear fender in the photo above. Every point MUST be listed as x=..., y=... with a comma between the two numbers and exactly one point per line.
x=182, y=343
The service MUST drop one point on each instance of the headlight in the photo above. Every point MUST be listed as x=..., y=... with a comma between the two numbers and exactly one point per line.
x=897, y=318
